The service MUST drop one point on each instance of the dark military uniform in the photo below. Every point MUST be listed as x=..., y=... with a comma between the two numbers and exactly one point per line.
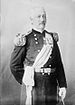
x=45, y=89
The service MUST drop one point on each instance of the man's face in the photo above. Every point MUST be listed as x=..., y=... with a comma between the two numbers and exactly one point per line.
x=39, y=19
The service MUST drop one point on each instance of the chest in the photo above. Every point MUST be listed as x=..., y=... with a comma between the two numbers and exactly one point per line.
x=35, y=43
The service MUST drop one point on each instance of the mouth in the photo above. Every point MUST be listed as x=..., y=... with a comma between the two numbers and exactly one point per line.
x=42, y=23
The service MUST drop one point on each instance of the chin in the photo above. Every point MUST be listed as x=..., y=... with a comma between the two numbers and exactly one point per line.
x=42, y=27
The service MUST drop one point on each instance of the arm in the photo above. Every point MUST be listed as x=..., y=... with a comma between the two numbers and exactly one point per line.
x=16, y=62
x=60, y=70
x=61, y=75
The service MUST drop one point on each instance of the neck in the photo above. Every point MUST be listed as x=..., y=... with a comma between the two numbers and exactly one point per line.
x=39, y=30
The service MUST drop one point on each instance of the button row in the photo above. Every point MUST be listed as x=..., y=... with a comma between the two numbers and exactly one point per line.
x=36, y=39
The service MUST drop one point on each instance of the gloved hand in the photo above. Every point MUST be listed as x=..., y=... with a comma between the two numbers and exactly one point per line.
x=62, y=93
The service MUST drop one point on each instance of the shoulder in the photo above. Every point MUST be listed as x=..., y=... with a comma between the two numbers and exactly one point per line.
x=54, y=35
x=20, y=38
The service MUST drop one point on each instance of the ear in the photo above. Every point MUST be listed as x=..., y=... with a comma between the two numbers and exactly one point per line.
x=55, y=36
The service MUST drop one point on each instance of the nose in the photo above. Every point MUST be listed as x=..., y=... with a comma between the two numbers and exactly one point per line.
x=41, y=18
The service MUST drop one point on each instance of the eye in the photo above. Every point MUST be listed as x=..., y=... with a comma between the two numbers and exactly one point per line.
x=39, y=16
x=43, y=16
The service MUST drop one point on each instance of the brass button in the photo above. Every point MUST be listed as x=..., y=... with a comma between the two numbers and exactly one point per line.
x=38, y=50
x=36, y=42
x=49, y=65
x=35, y=38
x=34, y=34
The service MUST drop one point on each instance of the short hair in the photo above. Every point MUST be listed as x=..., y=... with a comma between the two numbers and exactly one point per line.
x=34, y=11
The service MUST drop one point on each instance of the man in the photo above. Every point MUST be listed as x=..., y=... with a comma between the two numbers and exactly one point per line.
x=37, y=63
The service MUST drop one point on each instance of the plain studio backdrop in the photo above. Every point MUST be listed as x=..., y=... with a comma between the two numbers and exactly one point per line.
x=14, y=19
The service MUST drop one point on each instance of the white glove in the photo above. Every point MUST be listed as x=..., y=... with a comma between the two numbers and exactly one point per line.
x=28, y=78
x=62, y=93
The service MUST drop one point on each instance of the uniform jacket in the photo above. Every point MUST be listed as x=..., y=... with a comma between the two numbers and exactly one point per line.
x=27, y=53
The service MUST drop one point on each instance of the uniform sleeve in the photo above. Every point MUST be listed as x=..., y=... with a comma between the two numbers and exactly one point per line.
x=16, y=62
x=60, y=70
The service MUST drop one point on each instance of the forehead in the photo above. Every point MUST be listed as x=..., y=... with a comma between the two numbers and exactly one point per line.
x=37, y=11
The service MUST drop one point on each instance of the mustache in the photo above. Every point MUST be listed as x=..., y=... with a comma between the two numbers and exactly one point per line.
x=42, y=23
